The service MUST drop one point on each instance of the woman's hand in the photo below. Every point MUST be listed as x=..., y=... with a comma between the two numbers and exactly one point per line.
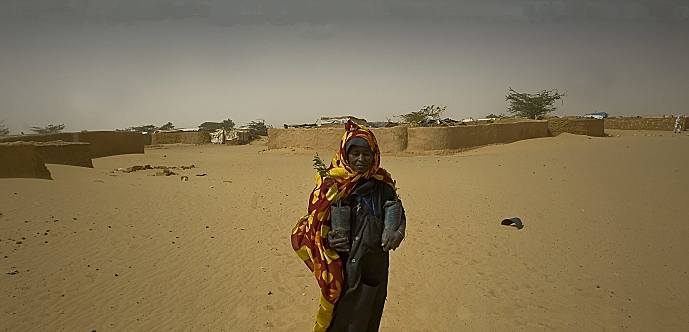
x=337, y=242
x=393, y=241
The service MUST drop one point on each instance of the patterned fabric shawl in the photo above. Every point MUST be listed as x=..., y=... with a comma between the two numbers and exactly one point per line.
x=309, y=235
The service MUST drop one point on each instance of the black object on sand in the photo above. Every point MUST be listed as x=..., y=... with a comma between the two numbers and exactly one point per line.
x=516, y=221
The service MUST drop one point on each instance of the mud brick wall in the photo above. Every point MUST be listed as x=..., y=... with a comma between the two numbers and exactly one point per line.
x=414, y=139
x=102, y=143
x=20, y=160
x=589, y=127
x=65, y=153
x=190, y=137
x=644, y=123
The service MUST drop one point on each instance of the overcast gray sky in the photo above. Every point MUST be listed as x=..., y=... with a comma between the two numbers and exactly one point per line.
x=106, y=64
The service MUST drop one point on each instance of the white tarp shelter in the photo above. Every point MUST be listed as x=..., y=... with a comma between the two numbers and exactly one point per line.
x=230, y=136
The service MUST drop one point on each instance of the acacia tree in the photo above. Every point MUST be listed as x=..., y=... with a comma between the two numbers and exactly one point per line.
x=3, y=129
x=258, y=125
x=142, y=129
x=532, y=105
x=49, y=129
x=426, y=113
x=167, y=126
x=225, y=124
x=228, y=123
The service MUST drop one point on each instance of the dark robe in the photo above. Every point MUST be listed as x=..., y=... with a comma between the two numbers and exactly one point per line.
x=361, y=302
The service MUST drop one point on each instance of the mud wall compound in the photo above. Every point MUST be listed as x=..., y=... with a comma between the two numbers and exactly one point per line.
x=413, y=139
x=389, y=139
x=20, y=160
x=111, y=143
x=310, y=138
x=65, y=137
x=102, y=143
x=65, y=153
x=188, y=137
x=589, y=127
x=645, y=123
x=463, y=137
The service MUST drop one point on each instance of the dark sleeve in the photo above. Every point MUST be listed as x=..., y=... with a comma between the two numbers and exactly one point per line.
x=403, y=221
x=389, y=195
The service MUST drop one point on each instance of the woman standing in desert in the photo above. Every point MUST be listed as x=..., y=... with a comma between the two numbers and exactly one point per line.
x=354, y=219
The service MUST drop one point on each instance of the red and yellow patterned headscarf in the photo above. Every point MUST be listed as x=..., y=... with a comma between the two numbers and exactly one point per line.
x=309, y=236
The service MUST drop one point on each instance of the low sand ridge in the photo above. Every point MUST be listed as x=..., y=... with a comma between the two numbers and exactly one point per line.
x=603, y=247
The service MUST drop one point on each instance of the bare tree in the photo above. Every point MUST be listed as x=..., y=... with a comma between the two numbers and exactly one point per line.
x=3, y=129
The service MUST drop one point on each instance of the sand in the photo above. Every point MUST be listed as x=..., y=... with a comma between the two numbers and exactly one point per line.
x=603, y=248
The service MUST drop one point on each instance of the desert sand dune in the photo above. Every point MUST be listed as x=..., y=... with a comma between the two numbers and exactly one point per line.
x=603, y=248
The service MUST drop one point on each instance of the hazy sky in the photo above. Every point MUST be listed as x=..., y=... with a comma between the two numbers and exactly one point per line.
x=106, y=64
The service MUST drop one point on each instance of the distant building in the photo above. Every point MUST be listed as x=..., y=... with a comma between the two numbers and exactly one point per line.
x=596, y=115
x=338, y=120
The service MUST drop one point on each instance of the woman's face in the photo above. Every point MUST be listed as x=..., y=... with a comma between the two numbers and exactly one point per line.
x=360, y=159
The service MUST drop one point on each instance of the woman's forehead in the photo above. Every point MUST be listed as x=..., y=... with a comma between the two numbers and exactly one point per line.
x=359, y=149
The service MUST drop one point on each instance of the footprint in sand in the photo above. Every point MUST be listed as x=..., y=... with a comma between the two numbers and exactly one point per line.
x=254, y=201
x=521, y=304
x=496, y=293
x=530, y=268
x=529, y=285
x=522, y=321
